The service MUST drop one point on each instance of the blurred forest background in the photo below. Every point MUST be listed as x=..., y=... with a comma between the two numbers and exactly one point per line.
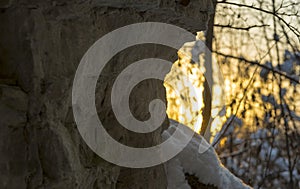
x=256, y=93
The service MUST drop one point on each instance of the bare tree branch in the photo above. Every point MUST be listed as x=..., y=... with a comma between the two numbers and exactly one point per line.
x=261, y=65
x=240, y=28
x=292, y=28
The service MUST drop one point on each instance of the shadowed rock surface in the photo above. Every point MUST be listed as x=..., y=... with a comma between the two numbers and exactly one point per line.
x=41, y=44
x=195, y=184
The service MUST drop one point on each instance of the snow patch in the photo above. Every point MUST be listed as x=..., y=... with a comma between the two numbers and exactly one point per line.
x=205, y=166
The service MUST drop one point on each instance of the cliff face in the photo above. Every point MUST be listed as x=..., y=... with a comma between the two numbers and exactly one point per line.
x=41, y=44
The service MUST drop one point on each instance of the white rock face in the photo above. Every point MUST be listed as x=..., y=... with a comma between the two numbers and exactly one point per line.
x=41, y=44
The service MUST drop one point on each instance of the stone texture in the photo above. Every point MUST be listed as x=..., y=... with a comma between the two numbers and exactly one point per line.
x=41, y=44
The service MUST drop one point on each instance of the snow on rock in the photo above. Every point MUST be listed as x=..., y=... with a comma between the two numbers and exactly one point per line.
x=198, y=48
x=205, y=166
x=175, y=175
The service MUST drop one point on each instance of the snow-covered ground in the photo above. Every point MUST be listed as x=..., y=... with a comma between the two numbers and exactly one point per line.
x=205, y=166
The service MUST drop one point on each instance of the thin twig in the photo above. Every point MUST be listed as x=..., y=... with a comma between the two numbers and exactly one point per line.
x=260, y=65
x=240, y=28
x=292, y=28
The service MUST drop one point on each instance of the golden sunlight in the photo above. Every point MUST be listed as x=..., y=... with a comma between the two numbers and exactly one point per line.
x=184, y=88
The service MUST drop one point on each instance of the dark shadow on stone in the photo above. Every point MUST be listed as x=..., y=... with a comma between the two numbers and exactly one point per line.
x=195, y=184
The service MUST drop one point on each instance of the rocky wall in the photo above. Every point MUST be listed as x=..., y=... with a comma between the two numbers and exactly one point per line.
x=41, y=44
